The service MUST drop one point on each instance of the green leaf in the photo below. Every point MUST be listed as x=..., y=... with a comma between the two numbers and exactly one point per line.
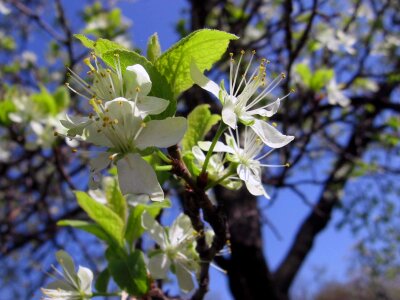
x=102, y=281
x=103, y=216
x=321, y=78
x=160, y=87
x=153, y=48
x=115, y=199
x=130, y=273
x=134, y=227
x=305, y=73
x=200, y=121
x=6, y=107
x=100, y=46
x=61, y=98
x=204, y=46
x=91, y=228
x=44, y=101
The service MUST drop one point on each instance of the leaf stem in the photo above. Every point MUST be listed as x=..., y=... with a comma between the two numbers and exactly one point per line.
x=163, y=156
x=163, y=168
x=222, y=127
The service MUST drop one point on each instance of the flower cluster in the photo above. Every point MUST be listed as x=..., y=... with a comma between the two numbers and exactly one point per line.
x=246, y=104
x=121, y=122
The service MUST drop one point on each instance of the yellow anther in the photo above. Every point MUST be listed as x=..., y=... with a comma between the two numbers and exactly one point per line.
x=274, y=124
x=292, y=90
x=115, y=121
x=253, y=52
x=137, y=89
x=66, y=84
x=230, y=54
x=98, y=101
x=242, y=52
x=287, y=165
x=88, y=63
x=120, y=103
x=116, y=55
x=283, y=75
x=143, y=124
x=74, y=150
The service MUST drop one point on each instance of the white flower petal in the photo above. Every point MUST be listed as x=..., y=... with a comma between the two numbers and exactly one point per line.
x=180, y=230
x=151, y=105
x=159, y=265
x=85, y=277
x=219, y=147
x=100, y=162
x=202, y=81
x=335, y=95
x=142, y=78
x=270, y=135
x=137, y=177
x=228, y=114
x=68, y=266
x=155, y=230
x=60, y=284
x=162, y=133
x=198, y=154
x=256, y=189
x=92, y=134
x=185, y=279
x=272, y=109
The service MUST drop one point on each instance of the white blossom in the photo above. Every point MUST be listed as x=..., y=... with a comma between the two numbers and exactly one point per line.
x=71, y=285
x=247, y=157
x=176, y=250
x=243, y=103
x=335, y=94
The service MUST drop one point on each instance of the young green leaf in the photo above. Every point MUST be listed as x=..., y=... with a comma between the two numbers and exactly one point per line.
x=130, y=273
x=100, y=46
x=102, y=281
x=91, y=228
x=204, y=46
x=115, y=199
x=321, y=78
x=103, y=216
x=200, y=121
x=153, y=48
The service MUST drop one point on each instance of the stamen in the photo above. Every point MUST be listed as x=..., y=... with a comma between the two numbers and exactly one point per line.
x=75, y=91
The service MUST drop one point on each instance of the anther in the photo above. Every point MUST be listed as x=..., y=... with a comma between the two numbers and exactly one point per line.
x=283, y=75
